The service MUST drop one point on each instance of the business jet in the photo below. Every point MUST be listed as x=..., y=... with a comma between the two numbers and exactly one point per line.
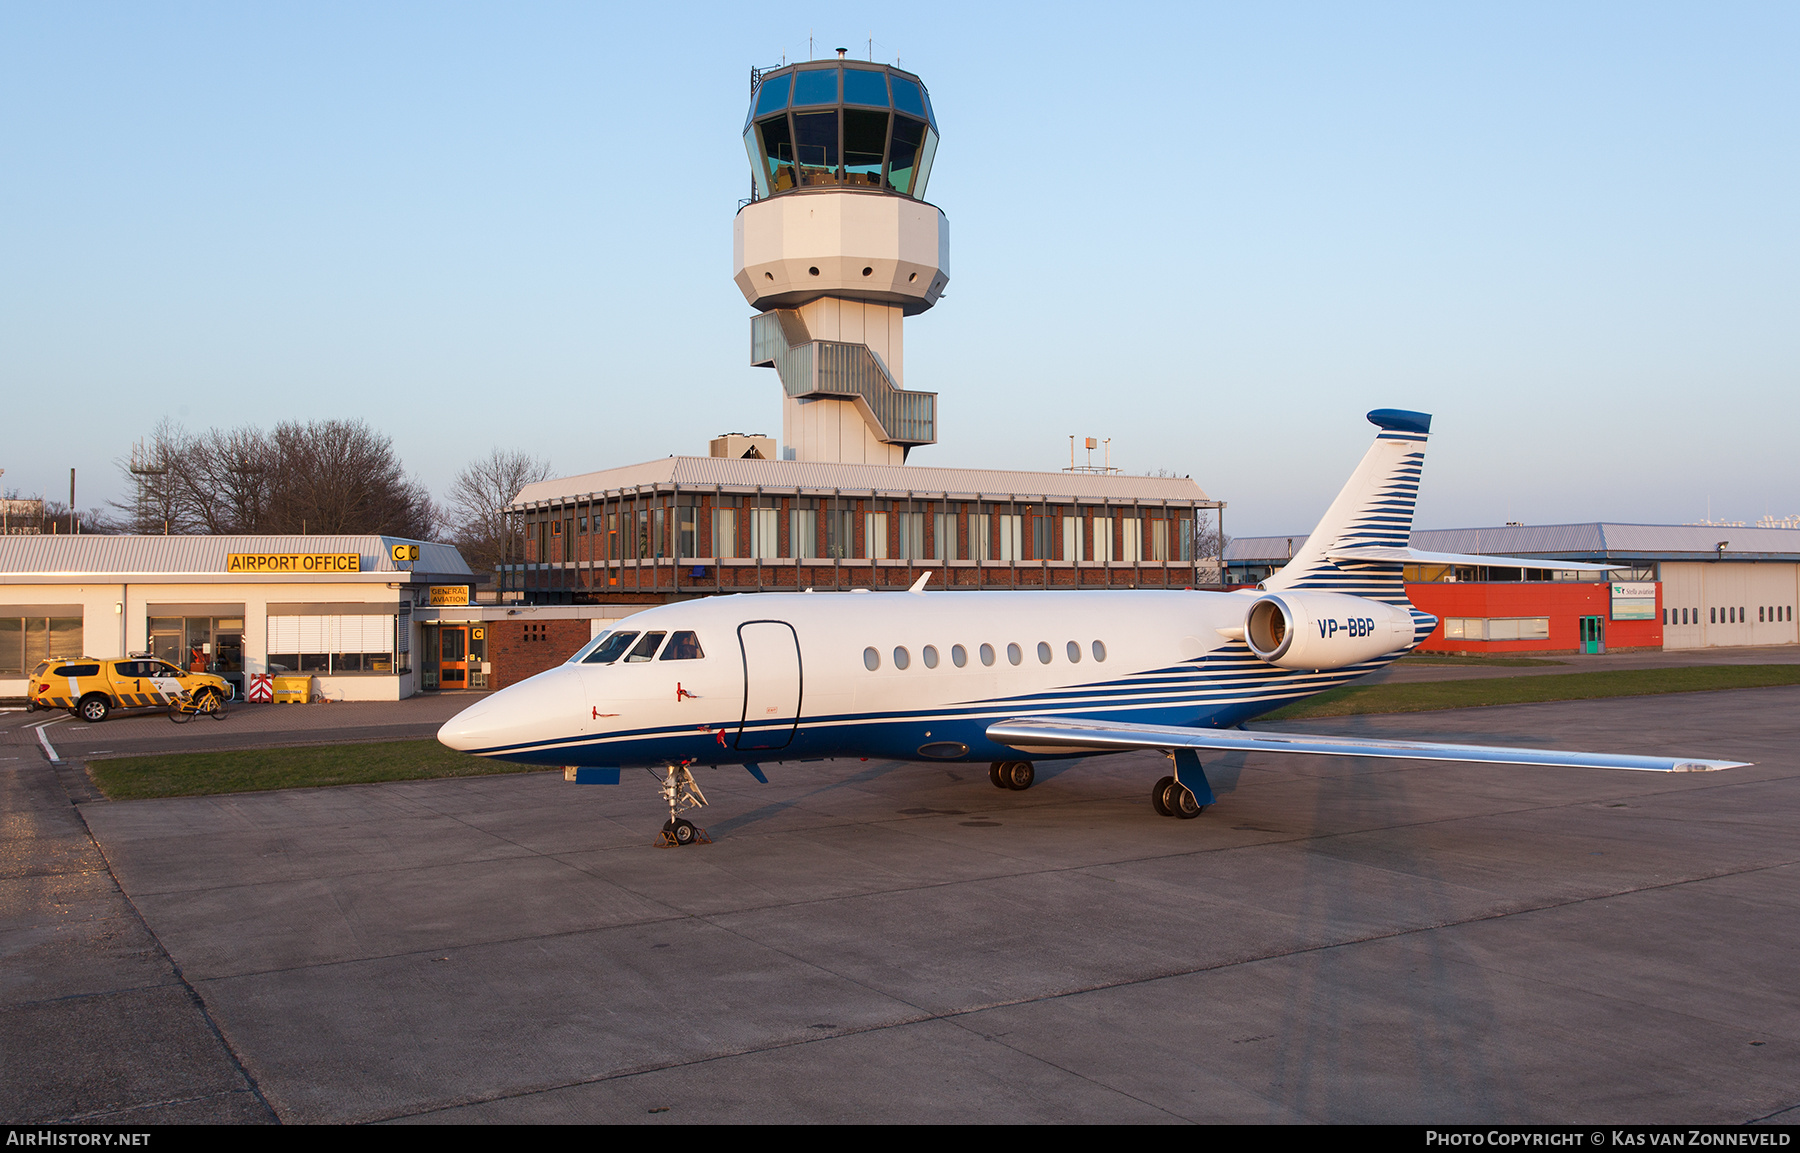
x=1009, y=678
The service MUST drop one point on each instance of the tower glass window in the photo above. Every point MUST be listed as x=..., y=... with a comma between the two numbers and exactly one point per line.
x=828, y=126
x=817, y=86
x=816, y=147
x=862, y=86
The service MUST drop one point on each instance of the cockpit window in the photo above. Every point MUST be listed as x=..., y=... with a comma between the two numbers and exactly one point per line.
x=683, y=646
x=611, y=647
x=645, y=649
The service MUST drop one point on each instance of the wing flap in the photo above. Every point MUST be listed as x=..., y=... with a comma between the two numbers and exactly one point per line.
x=1067, y=734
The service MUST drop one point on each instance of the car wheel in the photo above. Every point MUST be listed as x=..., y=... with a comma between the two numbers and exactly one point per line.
x=93, y=708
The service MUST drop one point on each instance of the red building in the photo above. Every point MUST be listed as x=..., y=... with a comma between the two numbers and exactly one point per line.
x=1529, y=616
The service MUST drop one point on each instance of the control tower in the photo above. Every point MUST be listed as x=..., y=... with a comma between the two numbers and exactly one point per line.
x=836, y=247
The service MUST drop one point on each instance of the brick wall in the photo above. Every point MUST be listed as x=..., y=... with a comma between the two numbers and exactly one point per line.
x=522, y=648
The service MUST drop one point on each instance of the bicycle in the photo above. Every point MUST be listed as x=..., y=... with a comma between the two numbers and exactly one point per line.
x=186, y=707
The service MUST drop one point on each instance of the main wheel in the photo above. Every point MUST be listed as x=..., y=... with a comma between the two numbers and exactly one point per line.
x=213, y=705
x=996, y=775
x=178, y=714
x=1020, y=775
x=1183, y=803
x=684, y=832
x=93, y=708
x=1159, y=797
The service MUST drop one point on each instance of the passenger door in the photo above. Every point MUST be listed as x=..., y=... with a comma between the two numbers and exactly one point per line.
x=772, y=685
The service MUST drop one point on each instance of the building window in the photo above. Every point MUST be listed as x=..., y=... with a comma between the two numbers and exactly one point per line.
x=724, y=532
x=765, y=525
x=24, y=641
x=912, y=535
x=1497, y=628
x=331, y=644
x=803, y=533
x=1012, y=537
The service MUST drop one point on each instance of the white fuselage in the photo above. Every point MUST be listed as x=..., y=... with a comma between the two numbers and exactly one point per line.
x=789, y=676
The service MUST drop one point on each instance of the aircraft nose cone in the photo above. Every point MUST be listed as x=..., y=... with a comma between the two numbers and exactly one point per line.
x=467, y=730
x=543, y=708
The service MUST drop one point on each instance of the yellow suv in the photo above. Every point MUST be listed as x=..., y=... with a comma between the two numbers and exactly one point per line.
x=92, y=688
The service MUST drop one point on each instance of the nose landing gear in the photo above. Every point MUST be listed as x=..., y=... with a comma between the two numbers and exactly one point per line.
x=681, y=792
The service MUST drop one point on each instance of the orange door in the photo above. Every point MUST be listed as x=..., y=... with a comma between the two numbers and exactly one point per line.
x=453, y=657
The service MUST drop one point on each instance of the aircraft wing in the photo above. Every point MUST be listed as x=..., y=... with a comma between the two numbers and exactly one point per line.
x=1067, y=734
x=1393, y=555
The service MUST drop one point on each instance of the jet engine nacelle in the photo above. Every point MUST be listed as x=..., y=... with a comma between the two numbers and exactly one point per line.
x=1324, y=630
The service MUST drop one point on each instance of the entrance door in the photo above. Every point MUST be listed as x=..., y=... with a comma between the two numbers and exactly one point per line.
x=771, y=684
x=453, y=656
x=1593, y=634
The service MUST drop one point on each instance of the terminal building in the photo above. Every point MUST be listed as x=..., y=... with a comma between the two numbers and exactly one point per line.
x=835, y=249
x=338, y=608
x=1671, y=586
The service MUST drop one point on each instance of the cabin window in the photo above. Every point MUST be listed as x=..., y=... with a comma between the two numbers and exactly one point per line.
x=987, y=655
x=901, y=657
x=959, y=656
x=929, y=655
x=1014, y=653
x=871, y=659
x=1043, y=652
x=1074, y=653
x=683, y=646
x=645, y=649
x=612, y=646
x=1099, y=651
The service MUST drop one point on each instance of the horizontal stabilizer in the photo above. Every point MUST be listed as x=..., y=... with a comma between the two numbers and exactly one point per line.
x=1066, y=734
x=1393, y=555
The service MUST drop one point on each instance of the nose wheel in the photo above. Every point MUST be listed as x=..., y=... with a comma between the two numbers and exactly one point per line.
x=681, y=792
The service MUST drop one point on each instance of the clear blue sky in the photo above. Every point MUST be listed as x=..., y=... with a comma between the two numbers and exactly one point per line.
x=1217, y=233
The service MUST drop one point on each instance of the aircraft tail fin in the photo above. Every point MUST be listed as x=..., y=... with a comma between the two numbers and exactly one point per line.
x=1374, y=510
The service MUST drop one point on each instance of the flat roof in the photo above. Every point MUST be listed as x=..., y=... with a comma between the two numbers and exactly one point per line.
x=882, y=479
x=1585, y=541
x=205, y=559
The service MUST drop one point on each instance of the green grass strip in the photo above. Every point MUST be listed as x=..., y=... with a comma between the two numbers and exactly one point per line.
x=1352, y=700
x=310, y=766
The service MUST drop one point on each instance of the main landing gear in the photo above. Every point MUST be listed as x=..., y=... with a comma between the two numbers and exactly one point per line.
x=1017, y=775
x=1171, y=798
x=681, y=791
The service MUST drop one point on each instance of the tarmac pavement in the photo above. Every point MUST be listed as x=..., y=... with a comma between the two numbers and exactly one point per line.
x=1337, y=940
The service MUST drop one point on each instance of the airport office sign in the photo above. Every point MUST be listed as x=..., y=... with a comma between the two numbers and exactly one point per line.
x=303, y=563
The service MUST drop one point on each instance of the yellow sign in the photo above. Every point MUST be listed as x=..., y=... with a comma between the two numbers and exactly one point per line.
x=405, y=552
x=478, y=634
x=293, y=562
x=449, y=595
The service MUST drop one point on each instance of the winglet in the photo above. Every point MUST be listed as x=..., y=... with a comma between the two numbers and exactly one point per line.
x=918, y=586
x=1401, y=420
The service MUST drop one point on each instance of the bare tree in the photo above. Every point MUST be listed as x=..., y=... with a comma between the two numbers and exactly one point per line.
x=159, y=501
x=483, y=530
x=230, y=478
x=328, y=476
x=341, y=476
